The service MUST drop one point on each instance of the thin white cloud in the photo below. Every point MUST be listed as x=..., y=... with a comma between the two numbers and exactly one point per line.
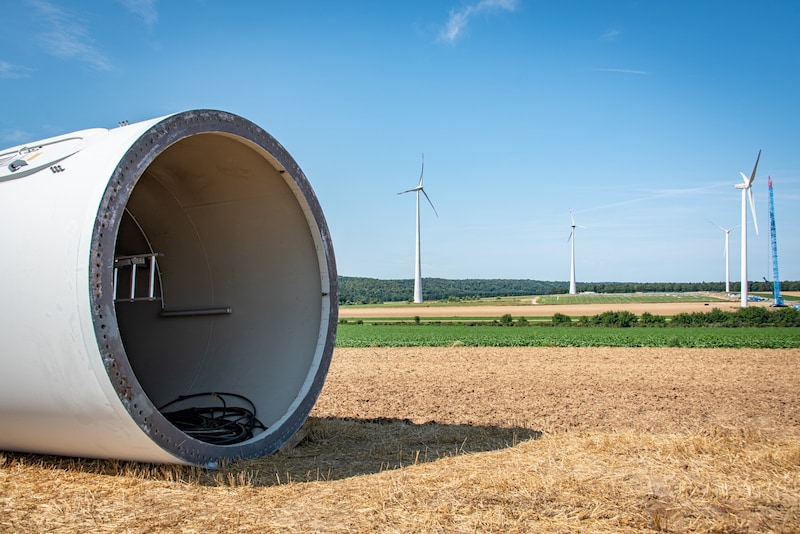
x=143, y=8
x=459, y=19
x=15, y=136
x=11, y=71
x=659, y=194
x=67, y=36
x=627, y=71
x=611, y=35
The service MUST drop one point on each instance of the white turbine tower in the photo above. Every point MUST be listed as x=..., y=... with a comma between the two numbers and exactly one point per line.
x=418, y=266
x=571, y=239
x=727, y=254
x=747, y=190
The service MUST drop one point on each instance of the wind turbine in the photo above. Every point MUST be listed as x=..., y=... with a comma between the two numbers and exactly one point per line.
x=727, y=248
x=571, y=238
x=418, y=266
x=745, y=186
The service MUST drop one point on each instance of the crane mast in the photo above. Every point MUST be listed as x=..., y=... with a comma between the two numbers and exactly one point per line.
x=776, y=280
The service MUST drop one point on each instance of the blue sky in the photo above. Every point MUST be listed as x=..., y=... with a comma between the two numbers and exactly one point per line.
x=637, y=115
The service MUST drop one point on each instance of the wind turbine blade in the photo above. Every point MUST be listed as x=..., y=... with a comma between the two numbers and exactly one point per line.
x=429, y=201
x=753, y=176
x=422, y=171
x=744, y=177
x=570, y=236
x=407, y=191
x=571, y=217
x=718, y=226
x=753, y=209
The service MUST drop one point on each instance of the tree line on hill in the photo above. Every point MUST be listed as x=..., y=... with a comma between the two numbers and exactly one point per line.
x=358, y=290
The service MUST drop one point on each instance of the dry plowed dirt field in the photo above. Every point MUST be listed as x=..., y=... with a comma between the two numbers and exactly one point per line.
x=656, y=390
x=476, y=440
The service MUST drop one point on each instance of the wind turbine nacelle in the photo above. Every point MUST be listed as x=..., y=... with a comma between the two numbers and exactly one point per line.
x=171, y=257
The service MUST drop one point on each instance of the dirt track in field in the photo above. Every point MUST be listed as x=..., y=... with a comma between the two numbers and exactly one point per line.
x=652, y=390
x=537, y=310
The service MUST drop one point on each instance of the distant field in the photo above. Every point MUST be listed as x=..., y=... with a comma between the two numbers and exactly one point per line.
x=496, y=301
x=445, y=325
x=582, y=298
x=590, y=299
x=666, y=304
x=629, y=298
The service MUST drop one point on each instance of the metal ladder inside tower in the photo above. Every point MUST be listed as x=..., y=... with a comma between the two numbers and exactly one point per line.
x=131, y=266
x=131, y=291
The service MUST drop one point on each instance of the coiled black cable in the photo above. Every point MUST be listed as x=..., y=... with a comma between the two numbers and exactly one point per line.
x=217, y=425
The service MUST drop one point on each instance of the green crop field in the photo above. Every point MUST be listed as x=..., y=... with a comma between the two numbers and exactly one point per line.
x=444, y=335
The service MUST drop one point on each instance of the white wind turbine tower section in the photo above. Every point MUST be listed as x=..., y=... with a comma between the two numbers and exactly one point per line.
x=418, y=265
x=747, y=190
x=727, y=254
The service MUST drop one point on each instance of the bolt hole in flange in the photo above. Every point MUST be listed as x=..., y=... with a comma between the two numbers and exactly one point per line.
x=222, y=281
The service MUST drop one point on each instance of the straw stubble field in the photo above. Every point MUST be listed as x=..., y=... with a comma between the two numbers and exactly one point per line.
x=476, y=440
